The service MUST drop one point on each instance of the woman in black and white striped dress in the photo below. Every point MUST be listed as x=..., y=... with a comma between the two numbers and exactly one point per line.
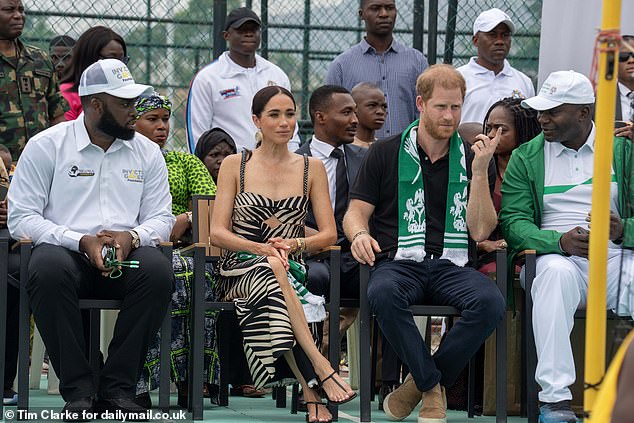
x=261, y=204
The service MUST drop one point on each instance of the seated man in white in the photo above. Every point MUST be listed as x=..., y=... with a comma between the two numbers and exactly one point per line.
x=80, y=188
x=546, y=201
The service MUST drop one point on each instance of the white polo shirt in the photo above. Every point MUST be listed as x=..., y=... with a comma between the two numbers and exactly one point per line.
x=568, y=186
x=484, y=88
x=65, y=187
x=220, y=96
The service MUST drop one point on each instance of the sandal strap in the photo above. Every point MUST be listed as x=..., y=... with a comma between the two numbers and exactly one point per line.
x=331, y=376
x=316, y=404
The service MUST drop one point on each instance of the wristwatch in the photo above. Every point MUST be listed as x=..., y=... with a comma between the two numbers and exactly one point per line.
x=136, y=241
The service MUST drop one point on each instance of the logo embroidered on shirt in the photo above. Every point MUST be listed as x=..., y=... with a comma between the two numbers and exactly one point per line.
x=517, y=94
x=132, y=175
x=75, y=171
x=230, y=93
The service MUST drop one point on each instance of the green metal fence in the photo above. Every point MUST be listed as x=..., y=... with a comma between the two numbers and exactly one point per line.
x=169, y=40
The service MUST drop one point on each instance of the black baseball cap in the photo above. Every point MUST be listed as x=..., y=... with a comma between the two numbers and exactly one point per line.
x=237, y=17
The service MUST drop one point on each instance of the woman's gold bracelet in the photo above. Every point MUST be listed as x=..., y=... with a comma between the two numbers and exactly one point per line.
x=301, y=245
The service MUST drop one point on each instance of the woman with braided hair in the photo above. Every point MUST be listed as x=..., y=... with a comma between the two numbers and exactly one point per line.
x=519, y=125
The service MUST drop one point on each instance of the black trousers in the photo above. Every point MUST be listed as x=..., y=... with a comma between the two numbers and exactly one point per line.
x=58, y=277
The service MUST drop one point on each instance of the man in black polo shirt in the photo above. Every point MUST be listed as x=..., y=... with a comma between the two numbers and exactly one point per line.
x=427, y=192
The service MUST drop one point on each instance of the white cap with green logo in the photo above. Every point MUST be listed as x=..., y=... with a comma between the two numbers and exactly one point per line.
x=562, y=87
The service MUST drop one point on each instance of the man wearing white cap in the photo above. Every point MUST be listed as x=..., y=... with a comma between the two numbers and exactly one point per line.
x=489, y=75
x=546, y=201
x=80, y=187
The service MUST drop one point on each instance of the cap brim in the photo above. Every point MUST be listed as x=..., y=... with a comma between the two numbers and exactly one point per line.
x=130, y=91
x=240, y=22
x=540, y=103
x=490, y=27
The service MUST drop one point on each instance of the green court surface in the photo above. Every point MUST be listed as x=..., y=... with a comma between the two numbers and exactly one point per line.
x=243, y=410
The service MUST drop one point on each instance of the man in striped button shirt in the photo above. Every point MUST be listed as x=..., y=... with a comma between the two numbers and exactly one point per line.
x=384, y=61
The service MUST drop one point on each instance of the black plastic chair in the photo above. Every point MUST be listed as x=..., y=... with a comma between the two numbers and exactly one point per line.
x=95, y=306
x=431, y=310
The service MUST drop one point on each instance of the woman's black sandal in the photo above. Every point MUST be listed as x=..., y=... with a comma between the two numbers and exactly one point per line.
x=350, y=398
x=316, y=404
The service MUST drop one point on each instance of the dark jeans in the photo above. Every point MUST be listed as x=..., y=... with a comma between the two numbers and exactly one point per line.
x=58, y=277
x=395, y=285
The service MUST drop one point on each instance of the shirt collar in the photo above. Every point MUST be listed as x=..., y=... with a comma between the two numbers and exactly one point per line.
x=507, y=70
x=23, y=50
x=623, y=89
x=232, y=68
x=323, y=148
x=367, y=48
x=83, y=139
x=558, y=148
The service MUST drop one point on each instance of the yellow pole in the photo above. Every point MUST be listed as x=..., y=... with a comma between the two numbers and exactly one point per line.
x=605, y=109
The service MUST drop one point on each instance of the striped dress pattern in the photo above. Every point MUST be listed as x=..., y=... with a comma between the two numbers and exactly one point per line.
x=251, y=284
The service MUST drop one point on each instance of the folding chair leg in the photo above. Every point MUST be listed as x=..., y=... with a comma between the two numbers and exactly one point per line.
x=531, y=353
x=280, y=397
x=24, y=330
x=500, y=343
x=334, y=343
x=197, y=330
x=294, y=398
x=165, y=360
x=37, y=360
x=4, y=270
x=53, y=381
x=223, y=395
x=364, y=347
x=374, y=335
x=471, y=388
x=166, y=344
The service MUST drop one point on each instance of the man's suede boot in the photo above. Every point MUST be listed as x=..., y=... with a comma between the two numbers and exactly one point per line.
x=400, y=403
x=434, y=408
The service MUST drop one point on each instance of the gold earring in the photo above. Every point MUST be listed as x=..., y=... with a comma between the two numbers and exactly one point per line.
x=258, y=135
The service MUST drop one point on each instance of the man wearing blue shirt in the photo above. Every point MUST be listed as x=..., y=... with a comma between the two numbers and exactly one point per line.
x=383, y=61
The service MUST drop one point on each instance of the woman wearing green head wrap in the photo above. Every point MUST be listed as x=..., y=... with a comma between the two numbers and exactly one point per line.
x=187, y=176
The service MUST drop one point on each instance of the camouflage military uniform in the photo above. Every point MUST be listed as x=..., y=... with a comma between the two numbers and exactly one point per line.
x=29, y=96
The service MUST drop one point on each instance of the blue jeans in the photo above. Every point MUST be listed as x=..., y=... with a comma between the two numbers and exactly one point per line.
x=395, y=285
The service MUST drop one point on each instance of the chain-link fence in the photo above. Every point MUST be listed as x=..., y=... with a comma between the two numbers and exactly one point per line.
x=169, y=40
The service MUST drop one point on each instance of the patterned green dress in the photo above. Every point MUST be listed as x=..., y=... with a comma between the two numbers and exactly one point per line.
x=187, y=176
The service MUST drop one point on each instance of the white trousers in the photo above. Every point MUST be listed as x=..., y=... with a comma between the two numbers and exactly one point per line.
x=559, y=289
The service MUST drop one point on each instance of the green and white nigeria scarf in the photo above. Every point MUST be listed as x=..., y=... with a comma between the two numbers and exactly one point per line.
x=411, y=202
